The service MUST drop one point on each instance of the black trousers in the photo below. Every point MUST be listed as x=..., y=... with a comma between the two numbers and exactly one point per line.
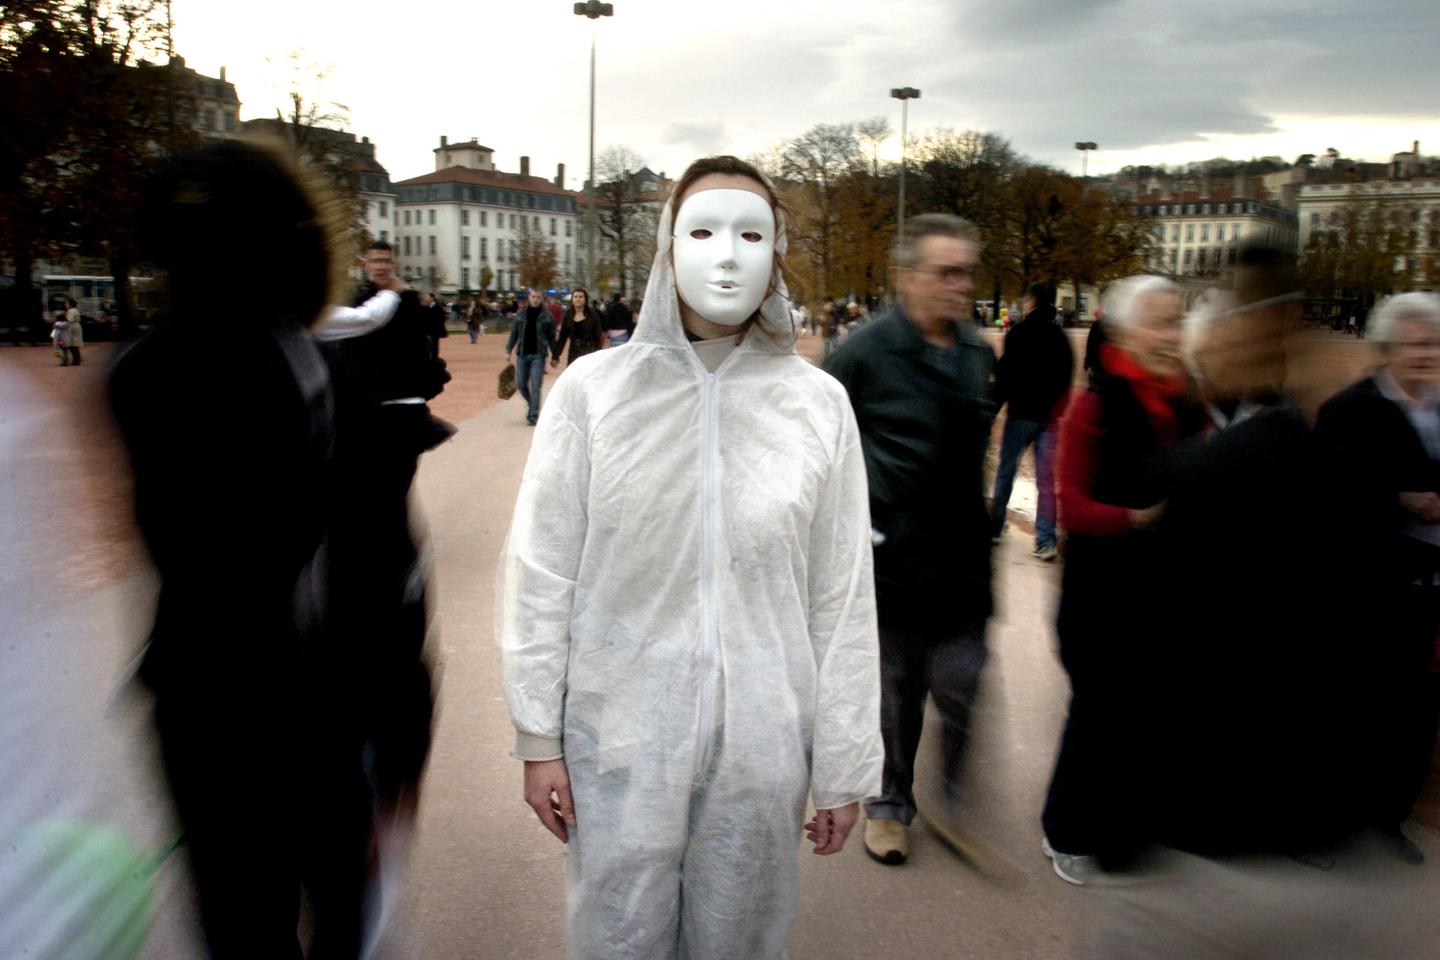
x=269, y=803
x=914, y=662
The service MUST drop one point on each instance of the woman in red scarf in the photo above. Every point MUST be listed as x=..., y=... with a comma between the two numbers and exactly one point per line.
x=1113, y=474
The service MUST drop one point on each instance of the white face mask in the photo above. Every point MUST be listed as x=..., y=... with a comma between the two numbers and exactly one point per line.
x=724, y=254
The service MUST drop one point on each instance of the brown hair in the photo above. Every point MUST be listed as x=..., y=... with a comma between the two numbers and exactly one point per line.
x=724, y=163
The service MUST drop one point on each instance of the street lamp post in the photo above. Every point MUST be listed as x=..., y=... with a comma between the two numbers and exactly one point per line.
x=904, y=95
x=594, y=11
x=1085, y=146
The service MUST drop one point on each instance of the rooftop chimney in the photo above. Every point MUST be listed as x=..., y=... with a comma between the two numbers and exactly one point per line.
x=560, y=176
x=222, y=74
x=1414, y=147
x=524, y=166
x=444, y=141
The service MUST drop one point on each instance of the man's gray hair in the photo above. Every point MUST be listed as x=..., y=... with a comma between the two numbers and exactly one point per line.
x=907, y=253
x=1385, y=321
x=1121, y=302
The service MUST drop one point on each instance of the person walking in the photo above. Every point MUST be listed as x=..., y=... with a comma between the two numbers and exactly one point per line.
x=1032, y=381
x=69, y=338
x=580, y=328
x=474, y=316
x=687, y=630
x=1113, y=478
x=533, y=334
x=919, y=382
x=619, y=322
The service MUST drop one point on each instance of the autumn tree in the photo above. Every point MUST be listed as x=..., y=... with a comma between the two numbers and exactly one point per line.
x=536, y=258
x=818, y=168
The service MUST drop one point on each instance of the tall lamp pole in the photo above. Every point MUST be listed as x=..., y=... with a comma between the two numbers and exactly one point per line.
x=1085, y=146
x=594, y=11
x=904, y=95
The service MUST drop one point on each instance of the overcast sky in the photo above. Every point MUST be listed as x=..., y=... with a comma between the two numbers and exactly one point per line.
x=1150, y=81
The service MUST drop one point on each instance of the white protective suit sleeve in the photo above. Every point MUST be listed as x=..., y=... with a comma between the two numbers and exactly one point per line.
x=847, y=754
x=542, y=556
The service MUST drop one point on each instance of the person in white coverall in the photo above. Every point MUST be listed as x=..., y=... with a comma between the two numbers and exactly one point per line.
x=687, y=618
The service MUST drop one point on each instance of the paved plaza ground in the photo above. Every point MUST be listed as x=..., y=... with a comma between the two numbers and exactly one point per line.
x=485, y=879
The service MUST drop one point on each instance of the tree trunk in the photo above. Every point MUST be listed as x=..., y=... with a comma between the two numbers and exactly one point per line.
x=25, y=307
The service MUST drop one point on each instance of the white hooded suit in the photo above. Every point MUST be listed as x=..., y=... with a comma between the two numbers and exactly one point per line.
x=688, y=615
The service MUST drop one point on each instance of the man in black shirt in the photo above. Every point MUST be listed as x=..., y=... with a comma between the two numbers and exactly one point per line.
x=534, y=333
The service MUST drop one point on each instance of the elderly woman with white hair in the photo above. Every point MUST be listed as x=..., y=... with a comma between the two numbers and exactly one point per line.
x=1113, y=482
x=1386, y=428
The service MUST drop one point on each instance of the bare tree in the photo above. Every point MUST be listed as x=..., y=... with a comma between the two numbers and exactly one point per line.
x=872, y=133
x=620, y=199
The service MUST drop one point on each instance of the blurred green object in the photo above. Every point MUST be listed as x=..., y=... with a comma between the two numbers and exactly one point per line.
x=83, y=892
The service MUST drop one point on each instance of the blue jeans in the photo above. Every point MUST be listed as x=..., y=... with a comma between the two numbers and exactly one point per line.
x=529, y=376
x=1018, y=435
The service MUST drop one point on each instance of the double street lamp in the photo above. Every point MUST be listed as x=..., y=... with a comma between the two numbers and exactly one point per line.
x=1085, y=146
x=593, y=11
x=904, y=95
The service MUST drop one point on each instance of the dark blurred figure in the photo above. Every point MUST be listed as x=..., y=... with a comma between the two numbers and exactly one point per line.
x=1386, y=430
x=619, y=321
x=1115, y=475
x=1032, y=381
x=435, y=329
x=1094, y=340
x=234, y=465
x=919, y=380
x=580, y=327
x=1252, y=718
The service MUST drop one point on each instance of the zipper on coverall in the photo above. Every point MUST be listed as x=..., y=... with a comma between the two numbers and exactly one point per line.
x=712, y=671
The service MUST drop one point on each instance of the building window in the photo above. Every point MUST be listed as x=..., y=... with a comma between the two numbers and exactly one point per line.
x=512, y=221
x=384, y=208
x=513, y=256
x=535, y=224
x=569, y=228
x=432, y=275
x=1200, y=259
x=1189, y=232
x=229, y=122
x=567, y=254
x=432, y=244
x=464, y=218
x=1204, y=231
x=432, y=217
x=482, y=218
x=385, y=236
x=553, y=227
x=465, y=248
x=1220, y=231
x=1315, y=219
x=465, y=278
x=407, y=246
x=1175, y=233
x=1236, y=233
x=483, y=255
x=207, y=119
x=407, y=218
x=1189, y=255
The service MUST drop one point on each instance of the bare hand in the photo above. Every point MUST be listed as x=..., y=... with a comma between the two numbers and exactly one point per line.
x=828, y=829
x=547, y=791
x=554, y=362
x=397, y=284
x=1425, y=506
x=510, y=358
x=1141, y=519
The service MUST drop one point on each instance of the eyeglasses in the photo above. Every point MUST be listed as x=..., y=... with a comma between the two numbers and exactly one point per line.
x=948, y=274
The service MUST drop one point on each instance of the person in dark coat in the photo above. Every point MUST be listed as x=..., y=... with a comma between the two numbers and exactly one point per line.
x=1250, y=745
x=581, y=327
x=619, y=322
x=919, y=380
x=1386, y=430
x=533, y=336
x=1032, y=380
x=232, y=461
x=1114, y=477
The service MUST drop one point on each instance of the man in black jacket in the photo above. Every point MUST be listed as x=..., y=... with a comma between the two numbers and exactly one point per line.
x=1033, y=380
x=533, y=334
x=919, y=380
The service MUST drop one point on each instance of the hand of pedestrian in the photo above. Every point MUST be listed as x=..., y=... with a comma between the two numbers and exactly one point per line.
x=828, y=829
x=547, y=791
x=554, y=362
x=510, y=356
x=1144, y=518
x=1425, y=506
x=398, y=284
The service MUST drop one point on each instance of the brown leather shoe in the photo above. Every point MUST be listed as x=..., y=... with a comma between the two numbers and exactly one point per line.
x=887, y=841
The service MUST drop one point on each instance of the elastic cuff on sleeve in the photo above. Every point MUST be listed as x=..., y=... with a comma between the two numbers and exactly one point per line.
x=529, y=746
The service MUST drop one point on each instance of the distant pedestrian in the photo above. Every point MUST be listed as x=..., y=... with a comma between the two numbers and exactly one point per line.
x=69, y=338
x=1032, y=380
x=533, y=335
x=474, y=316
x=580, y=327
x=619, y=322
